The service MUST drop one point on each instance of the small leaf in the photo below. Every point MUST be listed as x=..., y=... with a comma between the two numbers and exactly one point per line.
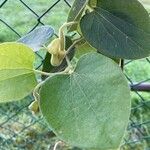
x=89, y=108
x=47, y=67
x=118, y=28
x=76, y=12
x=17, y=78
x=38, y=37
x=83, y=49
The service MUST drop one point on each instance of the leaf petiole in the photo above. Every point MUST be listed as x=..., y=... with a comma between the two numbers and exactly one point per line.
x=74, y=44
x=36, y=91
x=43, y=73
x=49, y=74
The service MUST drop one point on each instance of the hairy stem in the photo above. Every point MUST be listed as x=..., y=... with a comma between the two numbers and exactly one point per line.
x=36, y=91
x=43, y=73
x=61, y=34
x=56, y=145
x=49, y=74
x=73, y=45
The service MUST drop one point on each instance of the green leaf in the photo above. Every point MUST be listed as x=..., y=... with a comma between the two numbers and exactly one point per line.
x=47, y=67
x=38, y=37
x=89, y=108
x=17, y=78
x=83, y=49
x=118, y=28
x=76, y=12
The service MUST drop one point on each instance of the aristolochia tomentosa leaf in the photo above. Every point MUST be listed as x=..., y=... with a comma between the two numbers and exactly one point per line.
x=118, y=28
x=17, y=78
x=89, y=108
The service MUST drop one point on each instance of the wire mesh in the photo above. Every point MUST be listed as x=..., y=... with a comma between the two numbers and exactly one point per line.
x=19, y=128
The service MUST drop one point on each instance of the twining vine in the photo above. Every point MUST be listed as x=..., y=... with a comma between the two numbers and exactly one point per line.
x=83, y=93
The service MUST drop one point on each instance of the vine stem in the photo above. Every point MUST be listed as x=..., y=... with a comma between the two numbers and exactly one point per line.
x=50, y=74
x=64, y=26
x=36, y=89
x=43, y=73
x=61, y=33
x=69, y=49
x=56, y=145
x=73, y=45
x=68, y=62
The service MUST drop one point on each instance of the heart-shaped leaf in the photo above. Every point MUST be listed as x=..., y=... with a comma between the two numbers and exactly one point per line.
x=38, y=37
x=89, y=108
x=118, y=28
x=17, y=78
x=76, y=12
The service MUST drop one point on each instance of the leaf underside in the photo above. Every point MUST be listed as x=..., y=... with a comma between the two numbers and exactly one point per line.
x=89, y=108
x=38, y=37
x=76, y=12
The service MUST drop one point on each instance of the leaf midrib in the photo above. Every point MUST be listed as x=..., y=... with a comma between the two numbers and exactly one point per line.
x=15, y=76
x=88, y=101
x=116, y=28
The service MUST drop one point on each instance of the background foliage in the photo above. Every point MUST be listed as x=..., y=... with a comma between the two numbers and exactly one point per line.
x=19, y=129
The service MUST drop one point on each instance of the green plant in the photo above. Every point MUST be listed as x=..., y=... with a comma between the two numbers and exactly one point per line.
x=84, y=96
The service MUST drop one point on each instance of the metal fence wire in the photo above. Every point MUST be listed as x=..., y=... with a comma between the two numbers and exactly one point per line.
x=19, y=128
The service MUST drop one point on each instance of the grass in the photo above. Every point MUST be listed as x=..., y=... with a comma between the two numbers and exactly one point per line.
x=22, y=20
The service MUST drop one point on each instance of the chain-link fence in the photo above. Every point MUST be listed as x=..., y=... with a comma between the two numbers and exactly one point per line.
x=19, y=128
